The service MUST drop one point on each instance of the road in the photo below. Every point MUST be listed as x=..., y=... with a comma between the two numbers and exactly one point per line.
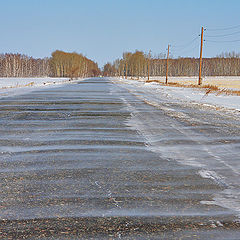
x=104, y=160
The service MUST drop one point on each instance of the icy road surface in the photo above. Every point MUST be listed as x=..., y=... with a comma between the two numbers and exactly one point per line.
x=106, y=159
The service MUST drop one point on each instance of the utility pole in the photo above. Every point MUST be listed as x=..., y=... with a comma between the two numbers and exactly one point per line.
x=148, y=69
x=149, y=56
x=126, y=70
x=167, y=65
x=200, y=60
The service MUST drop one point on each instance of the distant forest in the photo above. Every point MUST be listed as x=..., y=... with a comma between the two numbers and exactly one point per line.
x=74, y=65
x=61, y=64
x=136, y=65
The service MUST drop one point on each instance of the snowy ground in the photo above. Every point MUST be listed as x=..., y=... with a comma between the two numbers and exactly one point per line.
x=229, y=82
x=193, y=95
x=14, y=86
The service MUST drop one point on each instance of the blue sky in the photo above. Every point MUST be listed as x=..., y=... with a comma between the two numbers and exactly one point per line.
x=103, y=29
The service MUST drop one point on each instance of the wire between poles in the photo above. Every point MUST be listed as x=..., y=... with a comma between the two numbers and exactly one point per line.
x=223, y=35
x=185, y=45
x=223, y=29
x=207, y=40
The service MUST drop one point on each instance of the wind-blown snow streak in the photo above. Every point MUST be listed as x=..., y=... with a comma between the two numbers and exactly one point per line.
x=171, y=129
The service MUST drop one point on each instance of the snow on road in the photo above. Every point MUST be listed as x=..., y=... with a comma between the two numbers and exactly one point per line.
x=13, y=86
x=79, y=155
x=193, y=129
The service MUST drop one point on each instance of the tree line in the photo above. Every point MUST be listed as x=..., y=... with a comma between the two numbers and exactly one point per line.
x=138, y=64
x=72, y=65
x=18, y=65
x=60, y=64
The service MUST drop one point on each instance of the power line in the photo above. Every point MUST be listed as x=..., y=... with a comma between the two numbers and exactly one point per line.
x=186, y=50
x=237, y=40
x=223, y=29
x=185, y=45
x=223, y=35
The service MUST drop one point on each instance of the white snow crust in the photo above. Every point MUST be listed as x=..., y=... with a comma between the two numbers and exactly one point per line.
x=193, y=95
x=16, y=86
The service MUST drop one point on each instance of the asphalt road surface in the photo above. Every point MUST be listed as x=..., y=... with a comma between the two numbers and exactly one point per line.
x=101, y=160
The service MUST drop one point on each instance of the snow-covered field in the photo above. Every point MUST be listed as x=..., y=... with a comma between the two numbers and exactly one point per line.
x=193, y=95
x=13, y=86
x=219, y=81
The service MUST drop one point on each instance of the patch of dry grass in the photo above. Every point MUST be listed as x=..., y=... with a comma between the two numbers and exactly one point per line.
x=207, y=87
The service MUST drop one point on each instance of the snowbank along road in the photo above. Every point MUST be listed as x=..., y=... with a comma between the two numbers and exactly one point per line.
x=107, y=158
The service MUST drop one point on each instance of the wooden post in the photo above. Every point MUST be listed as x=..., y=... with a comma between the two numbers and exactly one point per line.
x=167, y=65
x=148, y=69
x=126, y=70
x=149, y=57
x=200, y=60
